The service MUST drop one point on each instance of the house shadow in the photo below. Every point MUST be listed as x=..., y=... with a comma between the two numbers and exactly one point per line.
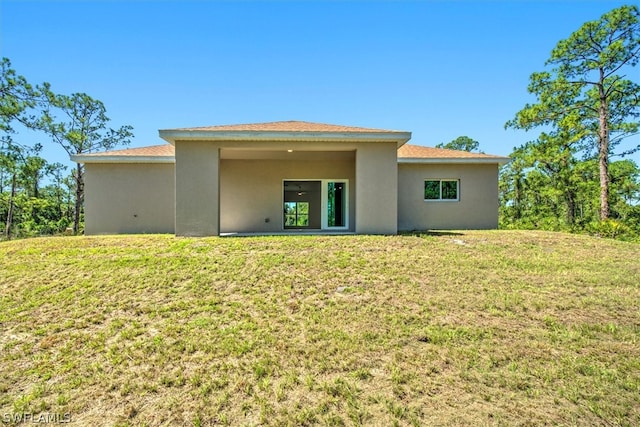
x=417, y=233
x=420, y=233
x=287, y=233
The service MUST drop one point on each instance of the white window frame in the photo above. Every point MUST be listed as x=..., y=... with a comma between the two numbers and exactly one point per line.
x=441, y=180
x=325, y=204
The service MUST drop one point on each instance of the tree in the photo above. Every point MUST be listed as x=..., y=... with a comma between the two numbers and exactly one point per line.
x=23, y=168
x=547, y=185
x=10, y=157
x=625, y=187
x=60, y=192
x=16, y=97
x=77, y=123
x=537, y=188
x=512, y=187
x=463, y=143
x=584, y=93
x=82, y=129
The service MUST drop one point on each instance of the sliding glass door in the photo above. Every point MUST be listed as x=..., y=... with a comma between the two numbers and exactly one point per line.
x=316, y=204
x=336, y=204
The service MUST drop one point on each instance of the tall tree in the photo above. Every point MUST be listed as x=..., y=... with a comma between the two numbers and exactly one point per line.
x=512, y=186
x=10, y=157
x=625, y=187
x=17, y=96
x=57, y=191
x=463, y=143
x=79, y=124
x=23, y=168
x=584, y=91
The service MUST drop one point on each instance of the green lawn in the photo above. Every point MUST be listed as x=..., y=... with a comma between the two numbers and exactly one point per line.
x=468, y=328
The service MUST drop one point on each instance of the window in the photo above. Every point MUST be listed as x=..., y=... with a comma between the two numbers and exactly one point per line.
x=315, y=204
x=441, y=189
x=296, y=214
x=336, y=204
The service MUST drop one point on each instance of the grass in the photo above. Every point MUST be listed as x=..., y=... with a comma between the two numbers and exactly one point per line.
x=469, y=328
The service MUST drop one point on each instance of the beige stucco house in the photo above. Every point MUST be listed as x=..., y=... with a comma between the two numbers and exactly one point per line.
x=287, y=177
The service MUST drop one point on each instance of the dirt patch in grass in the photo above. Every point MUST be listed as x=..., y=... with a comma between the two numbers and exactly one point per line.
x=491, y=328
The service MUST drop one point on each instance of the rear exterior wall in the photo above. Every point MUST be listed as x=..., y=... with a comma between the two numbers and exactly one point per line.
x=140, y=198
x=129, y=198
x=477, y=207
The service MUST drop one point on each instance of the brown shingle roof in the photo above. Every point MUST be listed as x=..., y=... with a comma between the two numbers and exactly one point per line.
x=409, y=151
x=286, y=126
x=150, y=151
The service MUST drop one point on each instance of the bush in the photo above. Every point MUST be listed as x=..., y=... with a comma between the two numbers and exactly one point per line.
x=613, y=229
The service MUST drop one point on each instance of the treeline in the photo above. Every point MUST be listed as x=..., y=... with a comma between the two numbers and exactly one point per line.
x=28, y=208
x=574, y=176
x=38, y=197
x=543, y=188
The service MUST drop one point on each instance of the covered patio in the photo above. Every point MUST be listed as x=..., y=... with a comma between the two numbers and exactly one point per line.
x=285, y=177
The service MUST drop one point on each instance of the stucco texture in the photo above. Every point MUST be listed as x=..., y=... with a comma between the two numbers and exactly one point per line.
x=377, y=183
x=197, y=189
x=129, y=198
x=477, y=207
x=251, y=191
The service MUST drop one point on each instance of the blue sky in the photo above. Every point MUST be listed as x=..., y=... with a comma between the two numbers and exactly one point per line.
x=440, y=69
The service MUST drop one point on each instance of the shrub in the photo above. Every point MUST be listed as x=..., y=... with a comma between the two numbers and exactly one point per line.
x=613, y=229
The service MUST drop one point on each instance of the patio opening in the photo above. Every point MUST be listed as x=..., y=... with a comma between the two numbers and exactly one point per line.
x=315, y=204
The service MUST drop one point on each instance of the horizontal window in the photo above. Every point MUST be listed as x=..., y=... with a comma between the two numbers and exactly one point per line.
x=441, y=189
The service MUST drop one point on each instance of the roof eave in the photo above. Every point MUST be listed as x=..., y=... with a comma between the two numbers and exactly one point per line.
x=123, y=159
x=171, y=136
x=468, y=160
